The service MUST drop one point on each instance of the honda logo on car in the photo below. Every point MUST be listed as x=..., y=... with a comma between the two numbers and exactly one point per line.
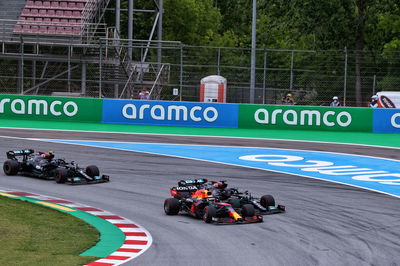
x=38, y=107
x=171, y=112
x=306, y=117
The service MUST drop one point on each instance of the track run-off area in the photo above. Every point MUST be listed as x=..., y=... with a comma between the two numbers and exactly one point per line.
x=342, y=205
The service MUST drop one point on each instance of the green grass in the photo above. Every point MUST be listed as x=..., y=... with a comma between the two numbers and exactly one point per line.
x=34, y=235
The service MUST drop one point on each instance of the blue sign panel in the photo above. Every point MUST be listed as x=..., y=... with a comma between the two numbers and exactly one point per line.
x=190, y=114
x=386, y=121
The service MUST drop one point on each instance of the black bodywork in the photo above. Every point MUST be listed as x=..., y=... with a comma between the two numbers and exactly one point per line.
x=28, y=163
x=263, y=206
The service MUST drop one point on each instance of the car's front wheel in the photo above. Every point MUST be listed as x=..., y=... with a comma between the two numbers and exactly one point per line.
x=11, y=167
x=267, y=200
x=209, y=213
x=92, y=171
x=248, y=210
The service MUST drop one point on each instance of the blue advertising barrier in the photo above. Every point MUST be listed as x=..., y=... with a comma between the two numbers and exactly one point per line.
x=386, y=121
x=162, y=113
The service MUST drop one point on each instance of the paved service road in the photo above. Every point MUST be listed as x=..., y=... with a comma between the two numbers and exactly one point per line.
x=325, y=223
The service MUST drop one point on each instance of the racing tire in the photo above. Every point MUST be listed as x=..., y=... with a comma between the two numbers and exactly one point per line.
x=248, y=210
x=92, y=171
x=61, y=175
x=209, y=213
x=11, y=167
x=267, y=200
x=234, y=202
x=171, y=206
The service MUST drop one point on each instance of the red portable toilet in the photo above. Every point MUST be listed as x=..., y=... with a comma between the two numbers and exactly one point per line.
x=213, y=89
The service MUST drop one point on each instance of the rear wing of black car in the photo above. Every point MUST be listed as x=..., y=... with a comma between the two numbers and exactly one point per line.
x=14, y=154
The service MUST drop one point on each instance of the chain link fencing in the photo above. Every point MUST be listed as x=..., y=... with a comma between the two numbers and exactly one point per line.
x=96, y=70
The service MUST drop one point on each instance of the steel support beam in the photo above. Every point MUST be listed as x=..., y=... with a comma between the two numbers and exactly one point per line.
x=83, y=79
x=253, y=53
x=130, y=27
x=160, y=32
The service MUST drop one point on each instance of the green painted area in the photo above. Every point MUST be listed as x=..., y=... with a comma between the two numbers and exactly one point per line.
x=111, y=237
x=50, y=108
x=305, y=118
x=389, y=140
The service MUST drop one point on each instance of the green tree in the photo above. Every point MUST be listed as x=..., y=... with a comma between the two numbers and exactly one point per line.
x=193, y=22
x=331, y=24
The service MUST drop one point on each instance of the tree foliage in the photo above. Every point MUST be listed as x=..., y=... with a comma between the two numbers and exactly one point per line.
x=364, y=26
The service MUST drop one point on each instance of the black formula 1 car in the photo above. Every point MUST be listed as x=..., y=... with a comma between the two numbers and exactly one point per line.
x=213, y=202
x=44, y=165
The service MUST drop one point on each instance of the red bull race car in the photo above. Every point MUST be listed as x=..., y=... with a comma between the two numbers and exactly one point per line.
x=44, y=165
x=215, y=203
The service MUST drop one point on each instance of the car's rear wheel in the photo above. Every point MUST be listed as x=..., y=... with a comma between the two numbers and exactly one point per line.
x=11, y=167
x=209, y=213
x=171, y=206
x=92, y=171
x=234, y=202
x=248, y=210
x=267, y=200
x=61, y=175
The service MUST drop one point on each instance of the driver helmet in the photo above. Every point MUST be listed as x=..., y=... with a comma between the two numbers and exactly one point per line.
x=374, y=97
x=220, y=185
x=335, y=98
x=47, y=155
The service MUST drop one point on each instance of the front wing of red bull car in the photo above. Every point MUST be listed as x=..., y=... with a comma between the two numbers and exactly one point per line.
x=224, y=213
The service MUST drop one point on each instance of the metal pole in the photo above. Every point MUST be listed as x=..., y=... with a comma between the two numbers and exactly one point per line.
x=35, y=49
x=100, y=68
x=83, y=80
x=345, y=77
x=22, y=67
x=130, y=27
x=374, y=85
x=118, y=29
x=265, y=74
x=69, y=69
x=181, y=75
x=160, y=32
x=118, y=15
x=291, y=71
x=253, y=53
x=219, y=60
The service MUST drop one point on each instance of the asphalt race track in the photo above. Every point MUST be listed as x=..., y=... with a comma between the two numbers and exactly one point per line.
x=325, y=223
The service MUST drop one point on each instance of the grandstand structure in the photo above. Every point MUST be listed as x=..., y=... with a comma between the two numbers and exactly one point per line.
x=64, y=47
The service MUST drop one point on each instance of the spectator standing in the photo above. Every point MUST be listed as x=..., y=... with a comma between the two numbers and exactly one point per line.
x=374, y=102
x=144, y=94
x=288, y=100
x=335, y=102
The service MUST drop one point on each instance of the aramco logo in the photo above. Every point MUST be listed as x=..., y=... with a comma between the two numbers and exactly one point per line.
x=171, y=112
x=38, y=107
x=303, y=117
